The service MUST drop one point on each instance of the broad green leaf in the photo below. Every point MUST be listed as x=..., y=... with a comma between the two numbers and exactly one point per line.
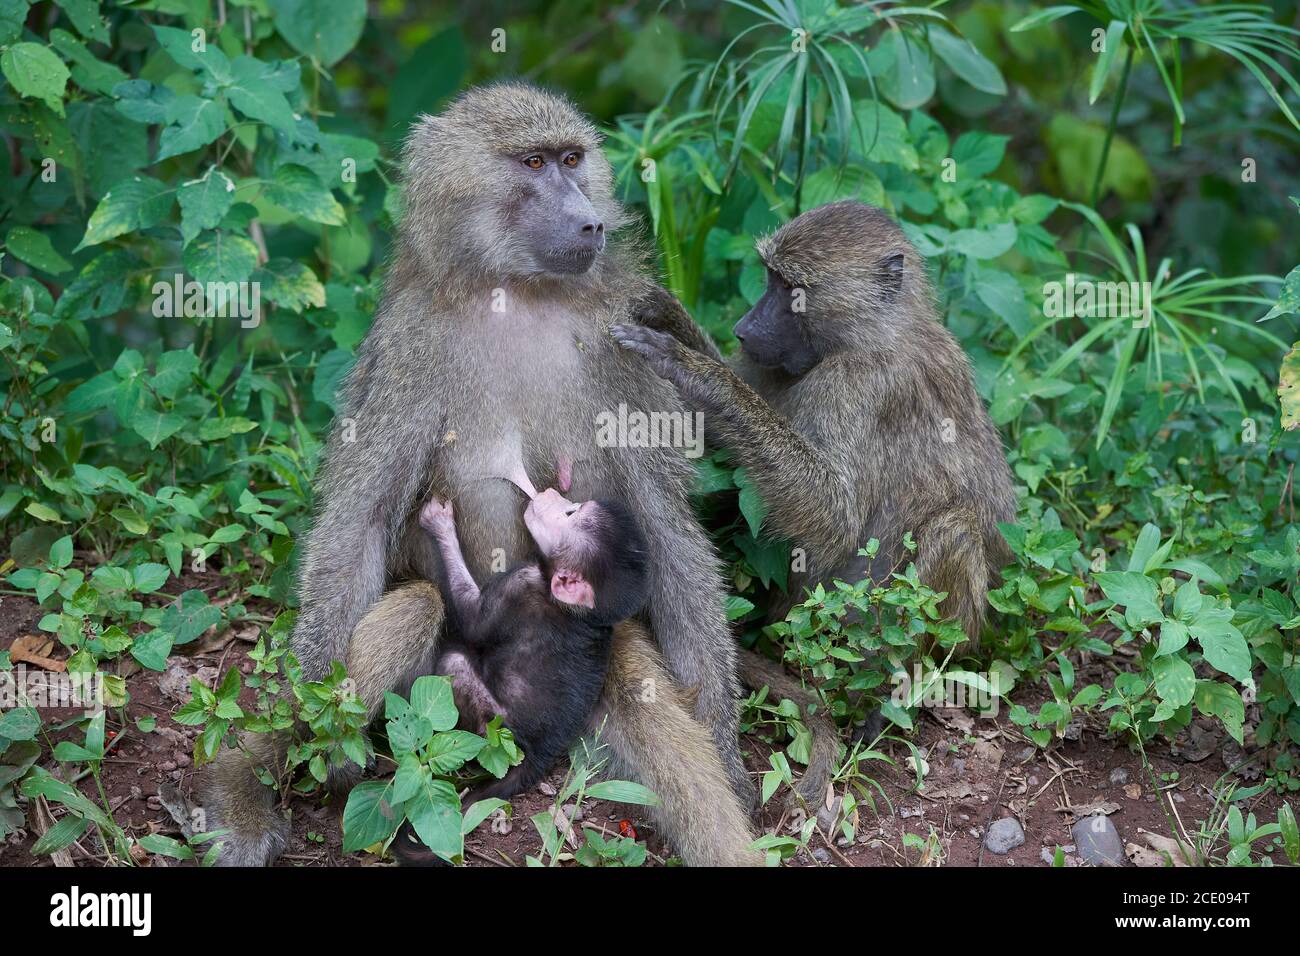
x=1288, y=301
x=132, y=204
x=1175, y=680
x=1135, y=592
x=220, y=257
x=194, y=122
x=152, y=649
x=369, y=817
x=431, y=698
x=290, y=285
x=322, y=29
x=967, y=62
x=204, y=202
x=35, y=249
x=34, y=70
x=434, y=812
x=1221, y=700
x=255, y=93
x=297, y=189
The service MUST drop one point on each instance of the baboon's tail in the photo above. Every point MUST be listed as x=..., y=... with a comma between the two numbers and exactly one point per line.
x=757, y=672
x=235, y=800
x=655, y=739
x=953, y=558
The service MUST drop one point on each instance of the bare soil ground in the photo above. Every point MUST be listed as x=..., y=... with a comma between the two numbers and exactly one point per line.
x=977, y=769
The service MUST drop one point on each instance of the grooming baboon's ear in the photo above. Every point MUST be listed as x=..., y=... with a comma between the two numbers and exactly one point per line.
x=891, y=275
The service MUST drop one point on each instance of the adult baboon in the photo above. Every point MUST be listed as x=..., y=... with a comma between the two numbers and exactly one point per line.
x=492, y=340
x=852, y=409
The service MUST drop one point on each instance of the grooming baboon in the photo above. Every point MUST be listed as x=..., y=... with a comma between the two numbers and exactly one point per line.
x=493, y=332
x=852, y=409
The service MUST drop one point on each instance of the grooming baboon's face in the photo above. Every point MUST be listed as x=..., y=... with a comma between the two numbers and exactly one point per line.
x=773, y=334
x=557, y=225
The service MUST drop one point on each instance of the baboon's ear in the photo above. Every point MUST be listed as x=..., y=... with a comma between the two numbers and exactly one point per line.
x=891, y=276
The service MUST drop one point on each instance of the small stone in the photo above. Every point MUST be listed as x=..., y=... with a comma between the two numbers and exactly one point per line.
x=1098, y=841
x=167, y=766
x=1004, y=836
x=1119, y=776
x=153, y=803
x=1032, y=781
x=822, y=855
x=177, y=774
x=182, y=760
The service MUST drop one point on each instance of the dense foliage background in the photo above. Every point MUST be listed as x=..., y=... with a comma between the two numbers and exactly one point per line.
x=1150, y=141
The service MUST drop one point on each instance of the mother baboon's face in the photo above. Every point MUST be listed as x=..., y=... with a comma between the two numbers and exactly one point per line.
x=548, y=209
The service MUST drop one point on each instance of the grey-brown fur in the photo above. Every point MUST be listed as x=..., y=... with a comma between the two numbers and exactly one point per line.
x=441, y=384
x=854, y=447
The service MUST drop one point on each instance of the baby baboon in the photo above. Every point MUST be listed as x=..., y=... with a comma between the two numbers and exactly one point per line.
x=492, y=335
x=533, y=645
x=852, y=409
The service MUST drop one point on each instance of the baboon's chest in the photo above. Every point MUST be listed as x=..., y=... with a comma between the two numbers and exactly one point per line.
x=529, y=390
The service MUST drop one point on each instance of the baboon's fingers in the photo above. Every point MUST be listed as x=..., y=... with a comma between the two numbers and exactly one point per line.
x=670, y=752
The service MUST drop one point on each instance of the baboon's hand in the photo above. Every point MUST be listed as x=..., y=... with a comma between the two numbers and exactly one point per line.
x=437, y=517
x=664, y=352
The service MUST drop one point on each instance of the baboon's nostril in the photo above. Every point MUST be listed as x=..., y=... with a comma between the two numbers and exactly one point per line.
x=593, y=228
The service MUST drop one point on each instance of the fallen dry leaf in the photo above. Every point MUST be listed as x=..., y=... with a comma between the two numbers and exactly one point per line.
x=35, y=649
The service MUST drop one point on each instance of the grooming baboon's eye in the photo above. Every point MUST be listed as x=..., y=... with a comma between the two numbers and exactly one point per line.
x=572, y=159
x=534, y=161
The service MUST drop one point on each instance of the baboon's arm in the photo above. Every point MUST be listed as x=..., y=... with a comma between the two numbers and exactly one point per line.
x=375, y=465
x=464, y=592
x=659, y=309
x=788, y=470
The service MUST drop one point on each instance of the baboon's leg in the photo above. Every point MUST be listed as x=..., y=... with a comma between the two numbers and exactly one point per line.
x=394, y=643
x=757, y=672
x=656, y=741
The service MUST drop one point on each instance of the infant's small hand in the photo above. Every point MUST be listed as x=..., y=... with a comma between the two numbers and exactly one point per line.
x=437, y=516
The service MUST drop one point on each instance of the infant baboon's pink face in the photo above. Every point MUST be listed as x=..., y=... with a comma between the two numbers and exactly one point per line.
x=558, y=524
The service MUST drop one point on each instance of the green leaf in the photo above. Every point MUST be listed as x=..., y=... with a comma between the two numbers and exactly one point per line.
x=160, y=845
x=190, y=615
x=35, y=249
x=1175, y=680
x=323, y=29
x=434, y=812
x=369, y=817
x=1288, y=301
x=1222, y=644
x=290, y=285
x=153, y=649
x=132, y=204
x=255, y=93
x=85, y=16
x=204, y=202
x=431, y=698
x=220, y=257
x=13, y=17
x=194, y=123
x=20, y=723
x=63, y=834
x=33, y=70
x=149, y=577
x=297, y=189
x=967, y=62
x=61, y=552
x=1135, y=592
x=1288, y=388
x=451, y=750
x=1042, y=17
x=1217, y=699
x=1112, y=47
x=154, y=426
x=623, y=791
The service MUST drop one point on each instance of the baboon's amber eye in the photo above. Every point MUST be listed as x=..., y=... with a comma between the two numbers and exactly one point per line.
x=572, y=159
x=534, y=161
